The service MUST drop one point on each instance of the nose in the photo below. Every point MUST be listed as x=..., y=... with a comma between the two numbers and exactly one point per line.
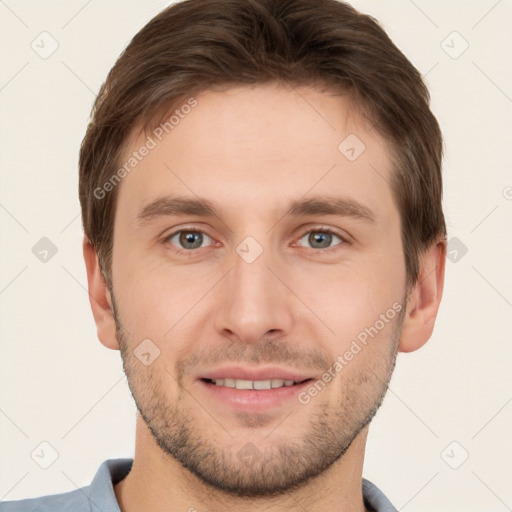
x=254, y=301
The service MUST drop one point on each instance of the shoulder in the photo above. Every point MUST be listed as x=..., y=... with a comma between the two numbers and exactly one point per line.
x=375, y=499
x=69, y=501
x=97, y=497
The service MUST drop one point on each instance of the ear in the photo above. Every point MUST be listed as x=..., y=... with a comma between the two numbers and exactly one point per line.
x=423, y=300
x=99, y=297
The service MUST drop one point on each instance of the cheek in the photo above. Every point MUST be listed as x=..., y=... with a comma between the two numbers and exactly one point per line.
x=350, y=297
x=157, y=300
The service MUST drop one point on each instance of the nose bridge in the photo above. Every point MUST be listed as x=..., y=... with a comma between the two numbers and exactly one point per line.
x=250, y=275
x=254, y=302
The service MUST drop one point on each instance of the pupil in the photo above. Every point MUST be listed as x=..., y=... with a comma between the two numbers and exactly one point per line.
x=323, y=239
x=191, y=240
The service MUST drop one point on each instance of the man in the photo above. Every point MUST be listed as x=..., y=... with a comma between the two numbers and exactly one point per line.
x=261, y=196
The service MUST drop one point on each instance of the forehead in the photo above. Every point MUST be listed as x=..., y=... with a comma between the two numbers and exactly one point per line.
x=259, y=146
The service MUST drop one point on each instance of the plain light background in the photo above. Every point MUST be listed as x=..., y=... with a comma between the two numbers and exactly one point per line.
x=59, y=385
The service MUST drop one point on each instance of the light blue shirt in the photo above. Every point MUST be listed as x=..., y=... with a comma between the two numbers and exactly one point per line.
x=100, y=496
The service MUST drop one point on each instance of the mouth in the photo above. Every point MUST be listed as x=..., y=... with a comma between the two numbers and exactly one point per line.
x=254, y=385
x=250, y=390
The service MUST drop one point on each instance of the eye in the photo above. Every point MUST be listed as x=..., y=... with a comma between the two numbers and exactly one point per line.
x=188, y=240
x=321, y=238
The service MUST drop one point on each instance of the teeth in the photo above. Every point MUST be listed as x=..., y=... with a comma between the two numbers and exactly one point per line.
x=253, y=384
x=243, y=384
x=261, y=384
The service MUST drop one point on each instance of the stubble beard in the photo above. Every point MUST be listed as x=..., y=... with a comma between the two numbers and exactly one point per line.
x=273, y=470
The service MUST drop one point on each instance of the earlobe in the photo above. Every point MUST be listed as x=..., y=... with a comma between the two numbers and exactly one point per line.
x=99, y=298
x=424, y=299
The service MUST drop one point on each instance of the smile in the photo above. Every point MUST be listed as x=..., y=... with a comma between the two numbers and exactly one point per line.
x=257, y=385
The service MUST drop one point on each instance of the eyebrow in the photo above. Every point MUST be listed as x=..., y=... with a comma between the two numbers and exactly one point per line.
x=339, y=206
x=169, y=206
x=319, y=205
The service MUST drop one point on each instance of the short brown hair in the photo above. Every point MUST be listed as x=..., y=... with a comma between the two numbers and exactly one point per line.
x=195, y=45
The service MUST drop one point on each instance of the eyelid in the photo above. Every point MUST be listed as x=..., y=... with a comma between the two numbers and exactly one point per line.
x=195, y=229
x=345, y=239
x=167, y=239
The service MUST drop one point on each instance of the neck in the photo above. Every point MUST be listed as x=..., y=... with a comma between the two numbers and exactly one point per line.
x=159, y=483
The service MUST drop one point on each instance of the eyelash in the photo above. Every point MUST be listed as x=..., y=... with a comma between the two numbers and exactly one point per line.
x=190, y=252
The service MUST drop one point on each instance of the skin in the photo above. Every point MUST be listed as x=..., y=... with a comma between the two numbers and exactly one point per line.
x=251, y=151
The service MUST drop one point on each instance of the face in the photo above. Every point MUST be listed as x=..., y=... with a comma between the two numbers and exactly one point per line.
x=252, y=250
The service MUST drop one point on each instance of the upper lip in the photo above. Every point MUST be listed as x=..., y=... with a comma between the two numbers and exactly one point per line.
x=260, y=373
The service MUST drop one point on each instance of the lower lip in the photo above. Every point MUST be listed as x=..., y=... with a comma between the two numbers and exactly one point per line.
x=248, y=400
